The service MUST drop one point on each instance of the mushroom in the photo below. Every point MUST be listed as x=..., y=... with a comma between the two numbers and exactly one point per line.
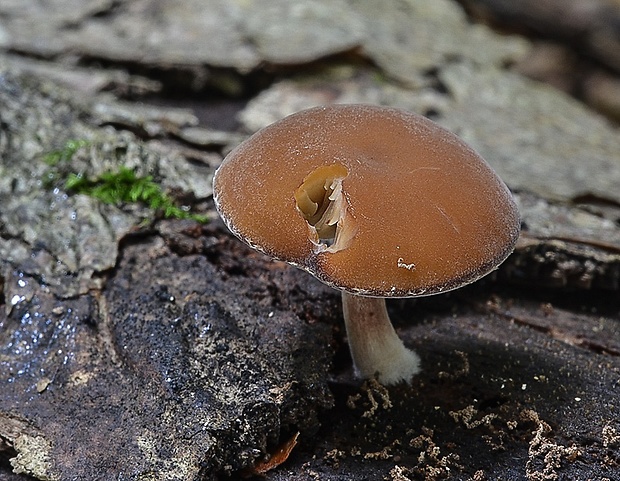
x=376, y=202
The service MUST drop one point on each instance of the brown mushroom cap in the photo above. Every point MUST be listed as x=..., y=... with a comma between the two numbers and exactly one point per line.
x=419, y=211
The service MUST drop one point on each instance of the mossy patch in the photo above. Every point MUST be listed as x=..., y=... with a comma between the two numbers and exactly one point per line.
x=120, y=187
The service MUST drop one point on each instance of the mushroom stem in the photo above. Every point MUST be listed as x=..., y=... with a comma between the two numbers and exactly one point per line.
x=375, y=347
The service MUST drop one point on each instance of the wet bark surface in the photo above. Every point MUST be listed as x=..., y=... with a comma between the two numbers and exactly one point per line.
x=200, y=356
x=187, y=364
x=136, y=347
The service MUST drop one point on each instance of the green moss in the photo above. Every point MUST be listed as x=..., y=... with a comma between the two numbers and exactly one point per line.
x=115, y=187
x=54, y=176
x=66, y=153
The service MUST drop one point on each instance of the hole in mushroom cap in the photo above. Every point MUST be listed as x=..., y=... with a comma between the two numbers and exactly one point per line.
x=322, y=202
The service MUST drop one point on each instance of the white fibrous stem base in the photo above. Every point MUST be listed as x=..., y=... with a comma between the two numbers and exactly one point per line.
x=376, y=349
